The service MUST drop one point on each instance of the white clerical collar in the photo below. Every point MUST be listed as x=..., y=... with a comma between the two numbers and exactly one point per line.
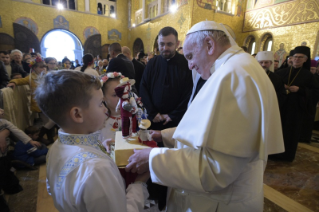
x=223, y=57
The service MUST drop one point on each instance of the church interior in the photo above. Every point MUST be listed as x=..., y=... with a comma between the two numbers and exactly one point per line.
x=90, y=26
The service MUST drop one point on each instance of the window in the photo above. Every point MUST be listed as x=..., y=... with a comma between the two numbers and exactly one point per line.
x=68, y=4
x=251, y=44
x=224, y=5
x=106, y=7
x=266, y=42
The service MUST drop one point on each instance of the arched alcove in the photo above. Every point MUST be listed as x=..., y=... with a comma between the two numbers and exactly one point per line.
x=266, y=42
x=250, y=43
x=59, y=43
x=137, y=46
x=6, y=42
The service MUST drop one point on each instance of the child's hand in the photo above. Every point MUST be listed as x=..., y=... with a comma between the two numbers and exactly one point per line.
x=143, y=177
x=12, y=85
x=107, y=144
x=35, y=143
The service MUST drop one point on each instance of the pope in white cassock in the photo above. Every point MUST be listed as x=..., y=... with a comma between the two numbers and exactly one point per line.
x=219, y=149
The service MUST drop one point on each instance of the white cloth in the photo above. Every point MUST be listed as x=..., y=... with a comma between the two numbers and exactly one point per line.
x=111, y=126
x=80, y=177
x=219, y=159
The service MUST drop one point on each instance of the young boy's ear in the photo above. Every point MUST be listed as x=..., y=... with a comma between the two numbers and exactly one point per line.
x=76, y=114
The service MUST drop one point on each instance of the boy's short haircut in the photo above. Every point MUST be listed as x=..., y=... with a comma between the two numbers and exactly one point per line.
x=59, y=91
x=31, y=130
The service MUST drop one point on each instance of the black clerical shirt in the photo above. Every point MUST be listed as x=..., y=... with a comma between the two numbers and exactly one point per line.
x=165, y=88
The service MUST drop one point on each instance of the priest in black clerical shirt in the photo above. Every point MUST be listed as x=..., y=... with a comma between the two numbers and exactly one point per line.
x=300, y=85
x=266, y=60
x=166, y=84
x=165, y=89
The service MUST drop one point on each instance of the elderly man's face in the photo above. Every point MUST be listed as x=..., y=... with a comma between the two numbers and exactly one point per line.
x=197, y=58
x=5, y=58
x=167, y=45
x=17, y=57
x=265, y=64
x=298, y=60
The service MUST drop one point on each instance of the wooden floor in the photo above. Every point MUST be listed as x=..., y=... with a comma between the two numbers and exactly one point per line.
x=275, y=201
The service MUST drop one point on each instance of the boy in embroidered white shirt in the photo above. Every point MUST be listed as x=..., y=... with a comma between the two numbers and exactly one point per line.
x=80, y=176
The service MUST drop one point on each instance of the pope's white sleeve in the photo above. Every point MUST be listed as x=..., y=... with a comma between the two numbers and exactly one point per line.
x=167, y=136
x=199, y=170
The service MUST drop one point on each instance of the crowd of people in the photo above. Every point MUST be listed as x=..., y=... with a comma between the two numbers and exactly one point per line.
x=215, y=122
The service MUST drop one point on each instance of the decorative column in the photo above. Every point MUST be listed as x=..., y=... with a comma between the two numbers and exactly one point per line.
x=159, y=7
x=143, y=11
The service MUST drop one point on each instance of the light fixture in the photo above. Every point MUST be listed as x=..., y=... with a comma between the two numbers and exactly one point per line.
x=60, y=6
x=113, y=15
x=173, y=8
x=133, y=25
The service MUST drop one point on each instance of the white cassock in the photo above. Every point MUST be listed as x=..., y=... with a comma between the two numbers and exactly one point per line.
x=223, y=141
x=81, y=177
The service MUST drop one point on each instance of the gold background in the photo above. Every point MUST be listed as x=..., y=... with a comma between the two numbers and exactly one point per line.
x=290, y=22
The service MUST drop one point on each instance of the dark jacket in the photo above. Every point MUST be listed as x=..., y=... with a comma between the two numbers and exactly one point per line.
x=4, y=78
x=122, y=64
x=139, y=69
x=18, y=69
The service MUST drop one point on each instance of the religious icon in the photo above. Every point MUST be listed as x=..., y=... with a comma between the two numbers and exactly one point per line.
x=280, y=54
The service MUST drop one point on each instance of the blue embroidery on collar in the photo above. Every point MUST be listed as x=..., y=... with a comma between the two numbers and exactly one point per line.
x=86, y=140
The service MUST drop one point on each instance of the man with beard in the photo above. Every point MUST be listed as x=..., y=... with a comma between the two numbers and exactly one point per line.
x=300, y=86
x=166, y=84
x=165, y=89
x=266, y=60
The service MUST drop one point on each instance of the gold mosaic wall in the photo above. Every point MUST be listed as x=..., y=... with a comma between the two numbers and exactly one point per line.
x=180, y=20
x=291, y=23
x=78, y=21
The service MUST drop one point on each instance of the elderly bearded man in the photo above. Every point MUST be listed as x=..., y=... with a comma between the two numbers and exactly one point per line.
x=225, y=136
x=266, y=60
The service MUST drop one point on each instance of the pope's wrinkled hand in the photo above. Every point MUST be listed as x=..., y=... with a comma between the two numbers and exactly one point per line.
x=138, y=162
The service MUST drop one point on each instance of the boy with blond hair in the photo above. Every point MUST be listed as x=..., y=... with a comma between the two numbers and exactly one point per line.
x=80, y=175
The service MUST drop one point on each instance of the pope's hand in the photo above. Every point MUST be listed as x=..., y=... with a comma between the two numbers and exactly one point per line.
x=138, y=162
x=156, y=136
